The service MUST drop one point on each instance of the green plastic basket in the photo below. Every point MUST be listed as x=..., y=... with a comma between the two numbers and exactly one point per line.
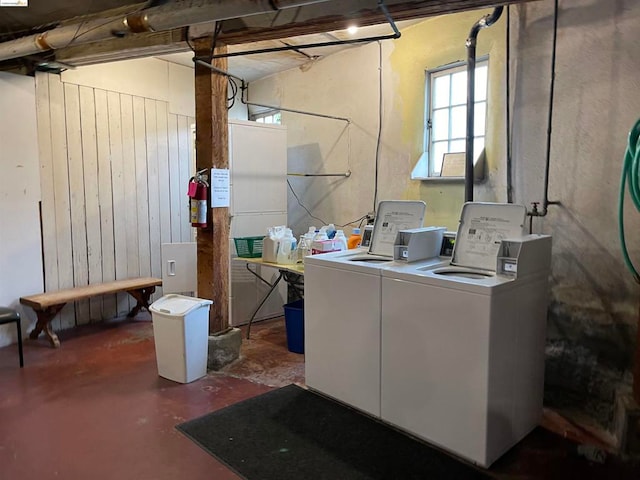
x=249, y=247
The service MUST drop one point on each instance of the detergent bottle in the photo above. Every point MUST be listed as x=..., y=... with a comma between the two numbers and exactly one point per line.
x=286, y=247
x=354, y=239
x=341, y=240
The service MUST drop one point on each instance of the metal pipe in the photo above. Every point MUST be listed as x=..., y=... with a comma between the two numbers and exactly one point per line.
x=291, y=110
x=508, y=110
x=217, y=70
x=347, y=174
x=395, y=35
x=484, y=22
x=545, y=200
x=154, y=19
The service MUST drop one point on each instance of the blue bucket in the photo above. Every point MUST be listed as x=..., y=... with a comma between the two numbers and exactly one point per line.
x=294, y=323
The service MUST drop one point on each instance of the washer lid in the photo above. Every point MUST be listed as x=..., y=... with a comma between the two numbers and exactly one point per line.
x=482, y=226
x=394, y=215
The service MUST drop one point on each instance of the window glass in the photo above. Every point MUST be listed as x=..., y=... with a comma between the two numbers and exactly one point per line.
x=267, y=117
x=439, y=149
x=459, y=122
x=459, y=88
x=440, y=125
x=446, y=115
x=441, y=92
x=457, y=146
x=480, y=92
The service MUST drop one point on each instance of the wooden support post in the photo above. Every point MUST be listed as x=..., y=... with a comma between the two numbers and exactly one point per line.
x=212, y=151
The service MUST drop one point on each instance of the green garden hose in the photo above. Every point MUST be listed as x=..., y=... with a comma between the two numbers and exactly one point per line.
x=630, y=173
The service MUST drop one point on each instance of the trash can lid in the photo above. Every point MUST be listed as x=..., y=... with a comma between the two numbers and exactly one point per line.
x=177, y=305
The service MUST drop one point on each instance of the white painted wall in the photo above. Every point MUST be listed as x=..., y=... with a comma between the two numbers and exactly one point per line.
x=20, y=249
x=116, y=154
x=144, y=77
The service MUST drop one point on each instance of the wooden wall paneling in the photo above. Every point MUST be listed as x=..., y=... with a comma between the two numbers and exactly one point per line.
x=142, y=189
x=91, y=195
x=130, y=194
x=186, y=167
x=109, y=306
x=47, y=203
x=154, y=190
x=174, y=174
x=164, y=182
x=77, y=199
x=61, y=195
x=118, y=193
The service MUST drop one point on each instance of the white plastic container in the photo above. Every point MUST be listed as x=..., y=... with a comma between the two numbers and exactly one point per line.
x=181, y=334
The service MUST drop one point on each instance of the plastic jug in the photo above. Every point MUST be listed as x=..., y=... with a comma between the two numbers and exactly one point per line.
x=286, y=248
x=354, y=239
x=341, y=240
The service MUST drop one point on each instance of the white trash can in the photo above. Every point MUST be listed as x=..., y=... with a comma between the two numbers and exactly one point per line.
x=181, y=334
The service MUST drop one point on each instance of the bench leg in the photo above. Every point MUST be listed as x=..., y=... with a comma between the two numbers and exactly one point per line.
x=142, y=296
x=44, y=324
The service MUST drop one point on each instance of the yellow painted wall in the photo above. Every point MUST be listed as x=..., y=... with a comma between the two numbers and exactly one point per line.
x=430, y=44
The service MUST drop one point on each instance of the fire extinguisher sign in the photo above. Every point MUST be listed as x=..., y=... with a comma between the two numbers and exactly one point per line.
x=219, y=187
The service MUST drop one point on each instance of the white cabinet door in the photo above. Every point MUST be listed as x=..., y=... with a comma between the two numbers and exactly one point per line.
x=258, y=163
x=179, y=268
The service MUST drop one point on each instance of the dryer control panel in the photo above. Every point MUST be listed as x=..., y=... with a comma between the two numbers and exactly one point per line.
x=524, y=256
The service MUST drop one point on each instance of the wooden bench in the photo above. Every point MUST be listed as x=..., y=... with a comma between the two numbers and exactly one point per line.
x=48, y=304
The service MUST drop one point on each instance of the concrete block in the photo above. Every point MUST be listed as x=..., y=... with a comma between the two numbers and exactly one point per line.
x=224, y=348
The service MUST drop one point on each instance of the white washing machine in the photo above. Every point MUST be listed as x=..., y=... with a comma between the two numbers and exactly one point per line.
x=462, y=362
x=342, y=311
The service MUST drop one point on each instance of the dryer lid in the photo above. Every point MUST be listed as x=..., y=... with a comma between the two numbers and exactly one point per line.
x=482, y=226
x=392, y=216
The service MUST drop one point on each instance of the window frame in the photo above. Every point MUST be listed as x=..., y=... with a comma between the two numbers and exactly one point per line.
x=430, y=76
x=260, y=117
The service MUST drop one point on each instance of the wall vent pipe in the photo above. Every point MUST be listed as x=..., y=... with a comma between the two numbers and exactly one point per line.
x=154, y=19
x=484, y=22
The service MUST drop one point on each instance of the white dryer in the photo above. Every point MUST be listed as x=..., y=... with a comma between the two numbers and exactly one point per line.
x=342, y=311
x=462, y=362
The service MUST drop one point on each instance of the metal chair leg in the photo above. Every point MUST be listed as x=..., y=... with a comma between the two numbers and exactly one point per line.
x=18, y=324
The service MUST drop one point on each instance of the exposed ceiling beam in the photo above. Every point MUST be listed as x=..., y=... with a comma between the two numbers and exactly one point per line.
x=303, y=20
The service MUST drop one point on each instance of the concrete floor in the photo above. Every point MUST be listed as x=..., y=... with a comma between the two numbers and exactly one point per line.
x=96, y=408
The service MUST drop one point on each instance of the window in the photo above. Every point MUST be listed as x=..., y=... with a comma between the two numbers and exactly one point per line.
x=267, y=117
x=446, y=115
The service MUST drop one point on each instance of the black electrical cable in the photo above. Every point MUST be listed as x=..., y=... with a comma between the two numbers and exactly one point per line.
x=231, y=99
x=186, y=36
x=354, y=221
x=300, y=203
x=375, y=188
x=214, y=40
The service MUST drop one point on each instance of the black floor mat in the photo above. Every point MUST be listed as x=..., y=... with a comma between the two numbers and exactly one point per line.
x=292, y=433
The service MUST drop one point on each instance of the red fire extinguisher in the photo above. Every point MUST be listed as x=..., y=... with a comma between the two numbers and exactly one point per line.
x=198, y=196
